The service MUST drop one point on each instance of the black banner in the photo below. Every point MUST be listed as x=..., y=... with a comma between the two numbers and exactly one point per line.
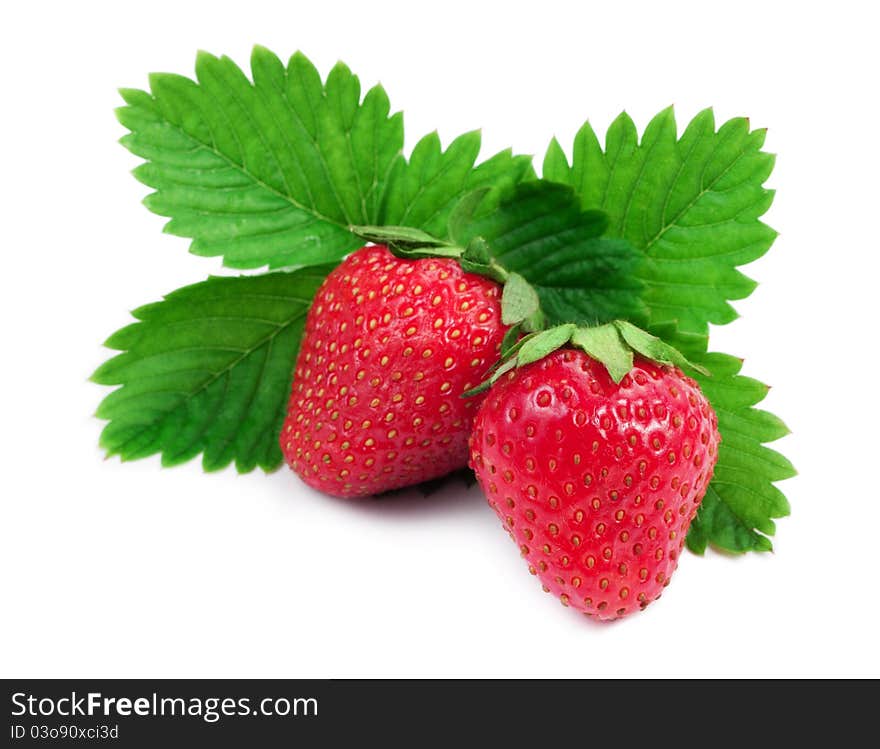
x=136, y=712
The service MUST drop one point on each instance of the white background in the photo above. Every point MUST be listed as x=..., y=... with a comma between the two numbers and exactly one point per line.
x=132, y=570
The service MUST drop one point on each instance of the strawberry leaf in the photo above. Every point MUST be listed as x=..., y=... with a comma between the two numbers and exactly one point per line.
x=424, y=191
x=690, y=204
x=270, y=172
x=538, y=230
x=275, y=170
x=742, y=501
x=207, y=370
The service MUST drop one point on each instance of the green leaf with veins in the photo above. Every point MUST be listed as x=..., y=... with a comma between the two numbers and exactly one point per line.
x=273, y=171
x=539, y=231
x=208, y=370
x=264, y=172
x=742, y=501
x=424, y=191
x=690, y=204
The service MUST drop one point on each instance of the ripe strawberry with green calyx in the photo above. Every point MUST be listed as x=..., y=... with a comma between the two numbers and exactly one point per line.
x=595, y=450
x=389, y=346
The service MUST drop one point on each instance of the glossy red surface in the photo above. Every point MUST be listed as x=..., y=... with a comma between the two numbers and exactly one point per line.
x=389, y=347
x=597, y=483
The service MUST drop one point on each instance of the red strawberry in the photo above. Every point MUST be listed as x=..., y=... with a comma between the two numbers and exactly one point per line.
x=596, y=482
x=389, y=347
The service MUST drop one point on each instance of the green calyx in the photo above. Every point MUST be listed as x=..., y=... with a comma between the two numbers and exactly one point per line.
x=520, y=304
x=613, y=344
x=415, y=244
